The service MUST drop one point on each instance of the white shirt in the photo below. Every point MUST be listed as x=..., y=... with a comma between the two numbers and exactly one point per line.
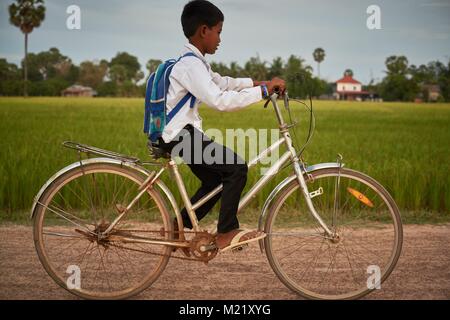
x=194, y=75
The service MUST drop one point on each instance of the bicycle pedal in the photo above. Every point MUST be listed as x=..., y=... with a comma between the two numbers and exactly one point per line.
x=239, y=248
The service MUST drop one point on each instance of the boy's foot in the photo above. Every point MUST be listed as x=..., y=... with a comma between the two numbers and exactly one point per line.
x=236, y=238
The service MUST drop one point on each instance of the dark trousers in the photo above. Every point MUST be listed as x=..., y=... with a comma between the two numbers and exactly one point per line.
x=213, y=164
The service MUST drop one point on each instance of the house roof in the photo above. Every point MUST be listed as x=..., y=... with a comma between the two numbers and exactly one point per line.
x=432, y=88
x=348, y=79
x=77, y=88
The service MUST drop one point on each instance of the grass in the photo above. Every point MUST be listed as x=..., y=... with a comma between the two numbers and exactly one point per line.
x=404, y=146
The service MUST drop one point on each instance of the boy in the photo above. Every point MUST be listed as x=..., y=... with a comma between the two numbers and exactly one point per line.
x=202, y=23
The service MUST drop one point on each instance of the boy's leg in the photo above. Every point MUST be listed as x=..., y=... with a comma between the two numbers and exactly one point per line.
x=234, y=180
x=227, y=167
x=208, y=177
x=213, y=163
x=233, y=171
x=210, y=180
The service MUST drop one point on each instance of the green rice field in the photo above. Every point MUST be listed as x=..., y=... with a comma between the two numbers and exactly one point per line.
x=405, y=146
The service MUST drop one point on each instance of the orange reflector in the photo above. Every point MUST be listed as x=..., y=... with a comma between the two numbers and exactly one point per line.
x=358, y=195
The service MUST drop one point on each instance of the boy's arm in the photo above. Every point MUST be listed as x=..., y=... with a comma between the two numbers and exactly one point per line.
x=258, y=83
x=237, y=84
x=199, y=82
x=229, y=83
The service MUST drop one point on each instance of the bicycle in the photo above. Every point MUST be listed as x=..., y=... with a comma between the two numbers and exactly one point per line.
x=111, y=218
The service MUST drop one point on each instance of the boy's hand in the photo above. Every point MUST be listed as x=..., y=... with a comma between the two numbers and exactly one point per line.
x=276, y=84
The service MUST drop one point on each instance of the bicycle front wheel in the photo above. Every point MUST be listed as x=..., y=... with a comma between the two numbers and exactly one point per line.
x=366, y=242
x=70, y=217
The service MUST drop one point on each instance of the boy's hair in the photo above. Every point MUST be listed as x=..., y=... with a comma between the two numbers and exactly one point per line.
x=197, y=13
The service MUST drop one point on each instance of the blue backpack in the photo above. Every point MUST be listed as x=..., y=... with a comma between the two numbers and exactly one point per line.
x=155, y=116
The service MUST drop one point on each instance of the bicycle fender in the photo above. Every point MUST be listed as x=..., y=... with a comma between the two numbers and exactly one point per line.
x=129, y=165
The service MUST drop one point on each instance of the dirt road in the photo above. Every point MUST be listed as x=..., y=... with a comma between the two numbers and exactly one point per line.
x=423, y=272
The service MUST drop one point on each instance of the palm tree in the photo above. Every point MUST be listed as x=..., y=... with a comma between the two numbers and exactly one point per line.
x=319, y=56
x=26, y=15
x=235, y=70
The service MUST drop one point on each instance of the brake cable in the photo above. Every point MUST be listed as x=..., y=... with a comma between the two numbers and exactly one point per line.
x=312, y=124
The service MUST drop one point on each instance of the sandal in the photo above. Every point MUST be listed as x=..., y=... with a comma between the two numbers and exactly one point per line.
x=243, y=237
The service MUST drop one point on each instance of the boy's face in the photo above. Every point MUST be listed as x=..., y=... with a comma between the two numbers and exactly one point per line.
x=211, y=37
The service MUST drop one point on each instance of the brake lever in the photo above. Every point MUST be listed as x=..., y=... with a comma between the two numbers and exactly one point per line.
x=270, y=98
x=285, y=98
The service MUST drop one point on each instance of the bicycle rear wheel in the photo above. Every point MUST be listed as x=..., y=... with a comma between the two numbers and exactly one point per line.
x=368, y=240
x=76, y=208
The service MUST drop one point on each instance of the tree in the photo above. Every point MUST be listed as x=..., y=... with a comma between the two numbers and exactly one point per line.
x=423, y=74
x=348, y=73
x=53, y=64
x=318, y=87
x=220, y=68
x=256, y=69
x=92, y=74
x=118, y=74
x=435, y=72
x=397, y=65
x=443, y=80
x=319, y=56
x=398, y=84
x=152, y=64
x=235, y=70
x=26, y=15
x=107, y=89
x=10, y=84
x=297, y=76
x=276, y=68
x=8, y=71
x=126, y=66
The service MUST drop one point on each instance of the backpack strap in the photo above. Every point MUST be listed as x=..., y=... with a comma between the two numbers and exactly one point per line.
x=147, y=107
x=179, y=105
x=148, y=89
x=188, y=54
x=185, y=99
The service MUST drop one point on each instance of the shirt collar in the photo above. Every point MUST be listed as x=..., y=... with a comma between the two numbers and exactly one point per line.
x=190, y=47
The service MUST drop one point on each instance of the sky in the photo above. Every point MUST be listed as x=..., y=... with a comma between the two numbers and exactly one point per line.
x=151, y=29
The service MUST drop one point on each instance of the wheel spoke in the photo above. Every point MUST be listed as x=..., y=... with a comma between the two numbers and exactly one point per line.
x=66, y=235
x=334, y=267
x=64, y=215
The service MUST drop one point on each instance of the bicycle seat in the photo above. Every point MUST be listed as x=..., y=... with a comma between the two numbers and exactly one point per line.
x=156, y=152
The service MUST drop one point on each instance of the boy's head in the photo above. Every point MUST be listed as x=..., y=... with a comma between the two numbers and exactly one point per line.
x=202, y=23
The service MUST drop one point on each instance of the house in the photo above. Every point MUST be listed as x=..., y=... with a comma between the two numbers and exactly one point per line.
x=348, y=88
x=78, y=91
x=431, y=92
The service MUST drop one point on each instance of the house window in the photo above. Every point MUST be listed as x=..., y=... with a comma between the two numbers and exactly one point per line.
x=354, y=88
x=343, y=88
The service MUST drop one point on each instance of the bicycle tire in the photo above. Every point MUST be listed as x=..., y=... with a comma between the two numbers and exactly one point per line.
x=52, y=219
x=308, y=285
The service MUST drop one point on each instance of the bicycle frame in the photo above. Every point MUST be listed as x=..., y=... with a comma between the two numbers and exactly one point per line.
x=290, y=154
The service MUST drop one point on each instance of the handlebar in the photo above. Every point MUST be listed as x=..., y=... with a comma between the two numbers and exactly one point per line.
x=276, y=90
x=274, y=96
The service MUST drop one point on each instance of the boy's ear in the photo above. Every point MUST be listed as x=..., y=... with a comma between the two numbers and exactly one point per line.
x=202, y=30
